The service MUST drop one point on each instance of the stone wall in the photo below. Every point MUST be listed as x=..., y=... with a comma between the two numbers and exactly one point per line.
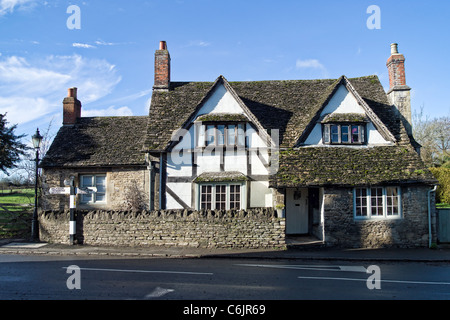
x=411, y=230
x=125, y=187
x=254, y=228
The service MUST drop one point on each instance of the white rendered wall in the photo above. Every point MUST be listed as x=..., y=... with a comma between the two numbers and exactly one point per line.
x=182, y=190
x=260, y=194
x=221, y=101
x=179, y=164
x=344, y=102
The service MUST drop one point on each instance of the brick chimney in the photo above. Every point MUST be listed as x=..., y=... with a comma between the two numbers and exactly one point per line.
x=162, y=68
x=71, y=107
x=399, y=93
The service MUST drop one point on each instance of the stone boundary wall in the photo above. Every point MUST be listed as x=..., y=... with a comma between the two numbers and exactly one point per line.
x=254, y=228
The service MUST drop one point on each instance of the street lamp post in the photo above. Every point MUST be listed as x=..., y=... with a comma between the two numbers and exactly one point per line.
x=37, y=139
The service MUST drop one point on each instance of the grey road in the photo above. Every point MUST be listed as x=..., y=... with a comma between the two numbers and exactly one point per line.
x=72, y=278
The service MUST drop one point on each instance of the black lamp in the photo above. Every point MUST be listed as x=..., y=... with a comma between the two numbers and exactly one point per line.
x=37, y=139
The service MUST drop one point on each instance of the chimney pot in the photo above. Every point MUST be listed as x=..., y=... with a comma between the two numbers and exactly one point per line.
x=162, y=45
x=72, y=93
x=394, y=48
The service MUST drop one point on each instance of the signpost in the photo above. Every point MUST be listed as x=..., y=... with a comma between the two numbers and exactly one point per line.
x=72, y=191
x=88, y=190
x=59, y=190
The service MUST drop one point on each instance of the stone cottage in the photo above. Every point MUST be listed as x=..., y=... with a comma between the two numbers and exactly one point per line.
x=335, y=156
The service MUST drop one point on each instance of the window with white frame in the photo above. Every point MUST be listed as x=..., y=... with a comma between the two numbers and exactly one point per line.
x=377, y=202
x=231, y=134
x=98, y=181
x=334, y=133
x=220, y=196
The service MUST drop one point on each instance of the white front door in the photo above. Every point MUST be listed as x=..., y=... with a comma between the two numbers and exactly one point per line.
x=297, y=211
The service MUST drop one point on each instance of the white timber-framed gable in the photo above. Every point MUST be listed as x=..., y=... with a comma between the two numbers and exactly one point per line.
x=220, y=139
x=346, y=119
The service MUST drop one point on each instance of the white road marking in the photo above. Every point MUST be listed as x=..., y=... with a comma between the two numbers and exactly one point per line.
x=158, y=292
x=145, y=271
x=353, y=268
x=309, y=267
x=389, y=281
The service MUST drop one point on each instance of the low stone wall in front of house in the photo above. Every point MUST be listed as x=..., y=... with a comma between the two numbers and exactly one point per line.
x=254, y=228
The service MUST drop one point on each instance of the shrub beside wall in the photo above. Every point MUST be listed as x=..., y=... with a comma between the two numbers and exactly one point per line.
x=443, y=190
x=254, y=228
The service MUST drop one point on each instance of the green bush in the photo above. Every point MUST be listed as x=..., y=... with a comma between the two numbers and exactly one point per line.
x=443, y=191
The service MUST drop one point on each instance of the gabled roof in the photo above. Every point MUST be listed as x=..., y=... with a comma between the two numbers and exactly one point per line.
x=292, y=107
x=287, y=105
x=99, y=142
x=222, y=81
x=372, y=116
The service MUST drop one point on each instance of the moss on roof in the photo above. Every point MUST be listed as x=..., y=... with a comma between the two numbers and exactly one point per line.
x=99, y=141
x=286, y=105
x=349, y=166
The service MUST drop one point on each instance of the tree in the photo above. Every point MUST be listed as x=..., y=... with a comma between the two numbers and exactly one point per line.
x=434, y=136
x=11, y=148
x=27, y=167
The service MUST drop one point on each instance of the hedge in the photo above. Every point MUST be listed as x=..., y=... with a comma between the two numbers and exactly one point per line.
x=443, y=191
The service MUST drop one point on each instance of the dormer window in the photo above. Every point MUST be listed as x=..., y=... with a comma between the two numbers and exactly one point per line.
x=344, y=129
x=221, y=130
x=344, y=134
x=221, y=135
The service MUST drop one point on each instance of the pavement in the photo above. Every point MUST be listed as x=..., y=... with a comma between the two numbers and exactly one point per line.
x=298, y=252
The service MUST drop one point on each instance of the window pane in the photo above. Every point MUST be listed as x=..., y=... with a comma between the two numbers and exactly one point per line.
x=87, y=181
x=210, y=134
x=205, y=197
x=361, y=202
x=326, y=134
x=355, y=134
x=86, y=198
x=201, y=136
x=231, y=134
x=334, y=134
x=235, y=197
x=392, y=200
x=100, y=183
x=220, y=135
x=376, y=200
x=241, y=135
x=221, y=197
x=345, y=134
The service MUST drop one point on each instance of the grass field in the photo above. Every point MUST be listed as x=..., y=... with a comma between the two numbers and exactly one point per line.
x=16, y=209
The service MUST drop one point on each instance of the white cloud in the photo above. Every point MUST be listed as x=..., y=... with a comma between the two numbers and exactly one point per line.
x=82, y=45
x=8, y=6
x=198, y=43
x=103, y=43
x=314, y=67
x=309, y=63
x=32, y=89
x=111, y=112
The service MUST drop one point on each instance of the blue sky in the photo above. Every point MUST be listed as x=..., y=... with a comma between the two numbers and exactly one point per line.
x=110, y=58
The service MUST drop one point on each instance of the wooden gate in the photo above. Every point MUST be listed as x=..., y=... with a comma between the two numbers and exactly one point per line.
x=444, y=225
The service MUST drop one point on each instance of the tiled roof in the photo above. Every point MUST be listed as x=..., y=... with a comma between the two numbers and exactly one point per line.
x=350, y=166
x=100, y=141
x=289, y=106
x=292, y=106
